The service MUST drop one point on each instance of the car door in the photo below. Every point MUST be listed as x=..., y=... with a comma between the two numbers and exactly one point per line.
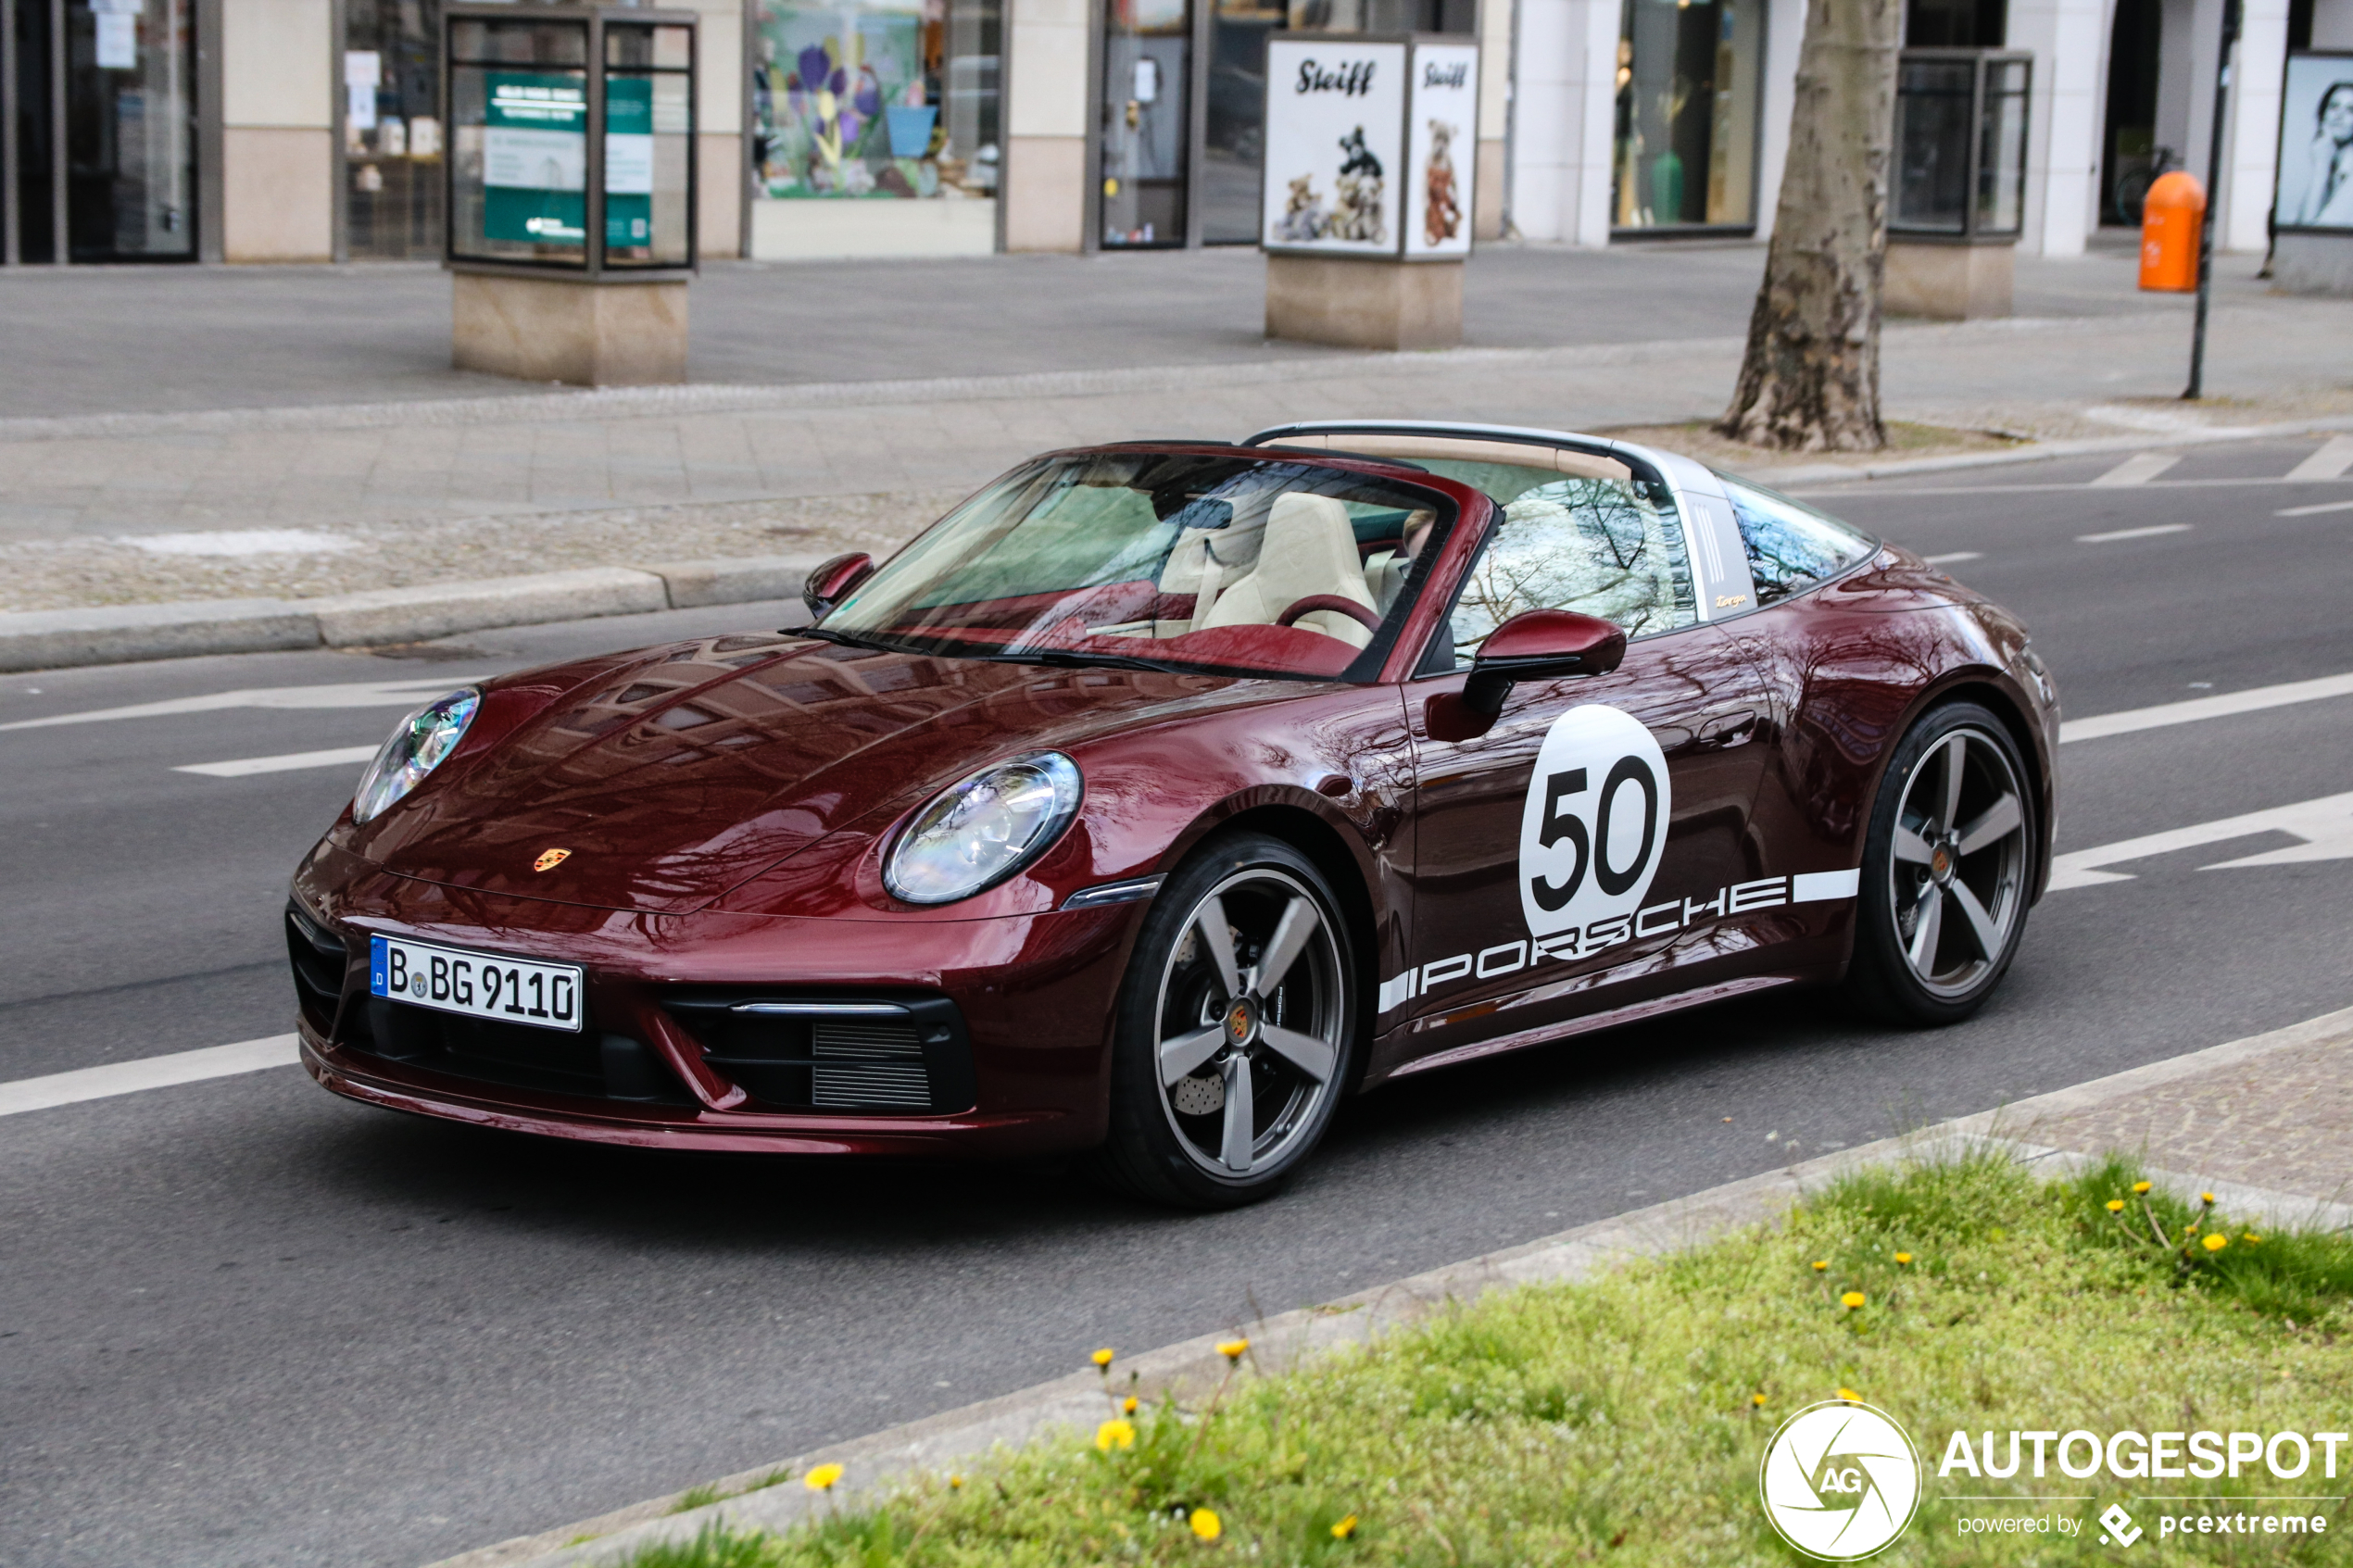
x=1592, y=847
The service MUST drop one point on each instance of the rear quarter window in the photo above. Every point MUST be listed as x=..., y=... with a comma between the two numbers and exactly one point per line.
x=1791, y=546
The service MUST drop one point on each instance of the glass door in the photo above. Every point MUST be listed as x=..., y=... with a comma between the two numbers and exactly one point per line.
x=1147, y=126
x=392, y=130
x=101, y=107
x=1234, y=141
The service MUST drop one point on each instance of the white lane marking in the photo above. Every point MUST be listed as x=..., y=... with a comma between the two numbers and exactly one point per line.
x=1955, y=556
x=2325, y=826
x=2253, y=699
x=2139, y=468
x=147, y=1072
x=363, y=693
x=2333, y=457
x=245, y=766
x=2315, y=511
x=2133, y=534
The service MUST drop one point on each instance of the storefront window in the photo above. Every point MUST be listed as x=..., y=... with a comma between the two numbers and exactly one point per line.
x=131, y=134
x=1687, y=103
x=876, y=99
x=1236, y=141
x=392, y=130
x=1147, y=121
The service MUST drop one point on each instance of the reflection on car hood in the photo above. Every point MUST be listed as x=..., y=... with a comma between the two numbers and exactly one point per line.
x=685, y=770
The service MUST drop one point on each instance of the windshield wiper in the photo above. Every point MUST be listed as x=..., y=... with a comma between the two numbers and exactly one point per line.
x=1061, y=658
x=844, y=639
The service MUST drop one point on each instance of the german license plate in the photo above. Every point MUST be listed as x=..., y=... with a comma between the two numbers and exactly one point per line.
x=545, y=996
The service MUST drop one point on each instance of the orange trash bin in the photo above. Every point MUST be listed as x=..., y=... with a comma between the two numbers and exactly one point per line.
x=2169, y=221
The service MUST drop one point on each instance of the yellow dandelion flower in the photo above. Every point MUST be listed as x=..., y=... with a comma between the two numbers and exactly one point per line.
x=955, y=1483
x=2251, y=1238
x=2142, y=1186
x=2190, y=1229
x=2207, y=1198
x=1851, y=1300
x=1904, y=1259
x=1757, y=1398
x=822, y=1479
x=1206, y=1524
x=1822, y=1265
x=1851, y=1397
x=2116, y=1206
x=2216, y=1242
x=1232, y=1348
x=1116, y=1434
x=1345, y=1528
x=1101, y=1358
x=1128, y=1405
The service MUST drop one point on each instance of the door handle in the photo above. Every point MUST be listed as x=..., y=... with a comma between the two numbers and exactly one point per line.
x=1728, y=730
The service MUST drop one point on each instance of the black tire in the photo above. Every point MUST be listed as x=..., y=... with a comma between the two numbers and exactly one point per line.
x=1176, y=1142
x=1947, y=872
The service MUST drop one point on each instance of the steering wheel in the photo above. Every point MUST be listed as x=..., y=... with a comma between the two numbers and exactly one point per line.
x=1364, y=616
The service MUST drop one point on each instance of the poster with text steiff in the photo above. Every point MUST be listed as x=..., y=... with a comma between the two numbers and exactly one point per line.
x=1441, y=150
x=535, y=163
x=1335, y=146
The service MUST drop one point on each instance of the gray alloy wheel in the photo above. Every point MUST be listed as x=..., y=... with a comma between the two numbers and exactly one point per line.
x=1957, y=870
x=1234, y=1035
x=1948, y=871
x=1251, y=1024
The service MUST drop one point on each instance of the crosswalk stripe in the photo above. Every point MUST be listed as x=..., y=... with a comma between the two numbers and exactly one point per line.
x=243, y=767
x=2333, y=457
x=147, y=1072
x=2220, y=706
x=2139, y=468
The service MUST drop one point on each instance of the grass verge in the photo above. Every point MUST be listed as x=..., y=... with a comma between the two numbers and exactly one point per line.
x=1623, y=1419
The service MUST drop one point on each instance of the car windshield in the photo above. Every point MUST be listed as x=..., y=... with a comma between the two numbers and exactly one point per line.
x=1224, y=564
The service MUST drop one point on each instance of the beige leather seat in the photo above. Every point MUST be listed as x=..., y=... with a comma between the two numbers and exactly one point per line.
x=1309, y=548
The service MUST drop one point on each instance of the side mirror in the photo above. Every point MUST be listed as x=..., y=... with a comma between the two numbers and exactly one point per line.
x=1540, y=645
x=832, y=579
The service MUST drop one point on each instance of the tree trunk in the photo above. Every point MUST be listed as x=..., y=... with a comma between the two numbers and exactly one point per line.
x=1809, y=382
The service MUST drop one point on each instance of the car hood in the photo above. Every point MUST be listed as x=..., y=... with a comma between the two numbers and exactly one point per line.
x=683, y=772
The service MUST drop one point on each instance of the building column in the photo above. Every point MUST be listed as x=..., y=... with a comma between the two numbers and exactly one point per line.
x=278, y=156
x=1494, y=119
x=721, y=71
x=1785, y=41
x=2251, y=155
x=1045, y=120
x=2069, y=40
x=1567, y=90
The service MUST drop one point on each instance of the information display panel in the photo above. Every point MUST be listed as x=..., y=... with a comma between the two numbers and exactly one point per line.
x=1371, y=144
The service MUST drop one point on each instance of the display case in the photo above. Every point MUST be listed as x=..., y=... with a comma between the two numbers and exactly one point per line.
x=572, y=144
x=1960, y=144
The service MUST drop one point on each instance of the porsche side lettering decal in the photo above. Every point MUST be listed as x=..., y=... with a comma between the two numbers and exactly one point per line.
x=1654, y=920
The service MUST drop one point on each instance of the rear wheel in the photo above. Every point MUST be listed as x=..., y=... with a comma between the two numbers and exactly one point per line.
x=1234, y=1028
x=1947, y=871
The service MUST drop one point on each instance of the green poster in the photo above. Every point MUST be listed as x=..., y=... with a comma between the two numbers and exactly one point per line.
x=536, y=158
x=629, y=160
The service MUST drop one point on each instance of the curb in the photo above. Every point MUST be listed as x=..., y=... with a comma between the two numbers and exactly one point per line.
x=877, y=1463
x=1815, y=474
x=51, y=639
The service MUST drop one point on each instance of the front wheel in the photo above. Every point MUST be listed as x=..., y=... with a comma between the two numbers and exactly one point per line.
x=1947, y=871
x=1234, y=1029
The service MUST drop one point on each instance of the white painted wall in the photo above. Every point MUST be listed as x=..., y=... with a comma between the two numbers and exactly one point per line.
x=1784, y=33
x=2068, y=104
x=1561, y=131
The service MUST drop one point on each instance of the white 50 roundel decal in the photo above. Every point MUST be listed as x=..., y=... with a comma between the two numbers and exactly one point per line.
x=1594, y=825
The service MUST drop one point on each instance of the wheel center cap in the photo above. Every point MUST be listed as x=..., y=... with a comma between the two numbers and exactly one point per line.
x=1940, y=863
x=1241, y=1021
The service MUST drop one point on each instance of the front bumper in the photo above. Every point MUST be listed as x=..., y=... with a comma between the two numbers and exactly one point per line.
x=716, y=1031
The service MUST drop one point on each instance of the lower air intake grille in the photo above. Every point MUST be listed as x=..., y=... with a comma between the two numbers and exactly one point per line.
x=882, y=1064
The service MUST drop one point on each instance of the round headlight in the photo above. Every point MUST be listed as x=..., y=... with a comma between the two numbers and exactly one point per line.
x=417, y=745
x=979, y=832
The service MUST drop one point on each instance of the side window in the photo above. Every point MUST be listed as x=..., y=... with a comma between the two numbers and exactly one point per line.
x=1790, y=546
x=1600, y=547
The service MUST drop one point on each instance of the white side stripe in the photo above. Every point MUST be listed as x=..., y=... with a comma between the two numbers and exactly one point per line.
x=1810, y=887
x=2249, y=701
x=341, y=757
x=147, y=1072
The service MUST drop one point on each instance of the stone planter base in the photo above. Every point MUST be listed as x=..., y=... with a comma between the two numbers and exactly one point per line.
x=2313, y=264
x=1365, y=302
x=1948, y=283
x=570, y=330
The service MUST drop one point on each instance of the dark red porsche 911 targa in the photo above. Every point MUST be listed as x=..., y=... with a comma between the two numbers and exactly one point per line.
x=1162, y=793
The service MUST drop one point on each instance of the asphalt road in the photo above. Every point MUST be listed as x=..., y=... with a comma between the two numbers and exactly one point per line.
x=243, y=1321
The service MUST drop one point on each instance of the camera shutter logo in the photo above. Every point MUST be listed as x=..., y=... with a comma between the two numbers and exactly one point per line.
x=1840, y=1481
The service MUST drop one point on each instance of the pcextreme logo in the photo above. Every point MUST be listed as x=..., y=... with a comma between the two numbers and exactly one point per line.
x=1840, y=1481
